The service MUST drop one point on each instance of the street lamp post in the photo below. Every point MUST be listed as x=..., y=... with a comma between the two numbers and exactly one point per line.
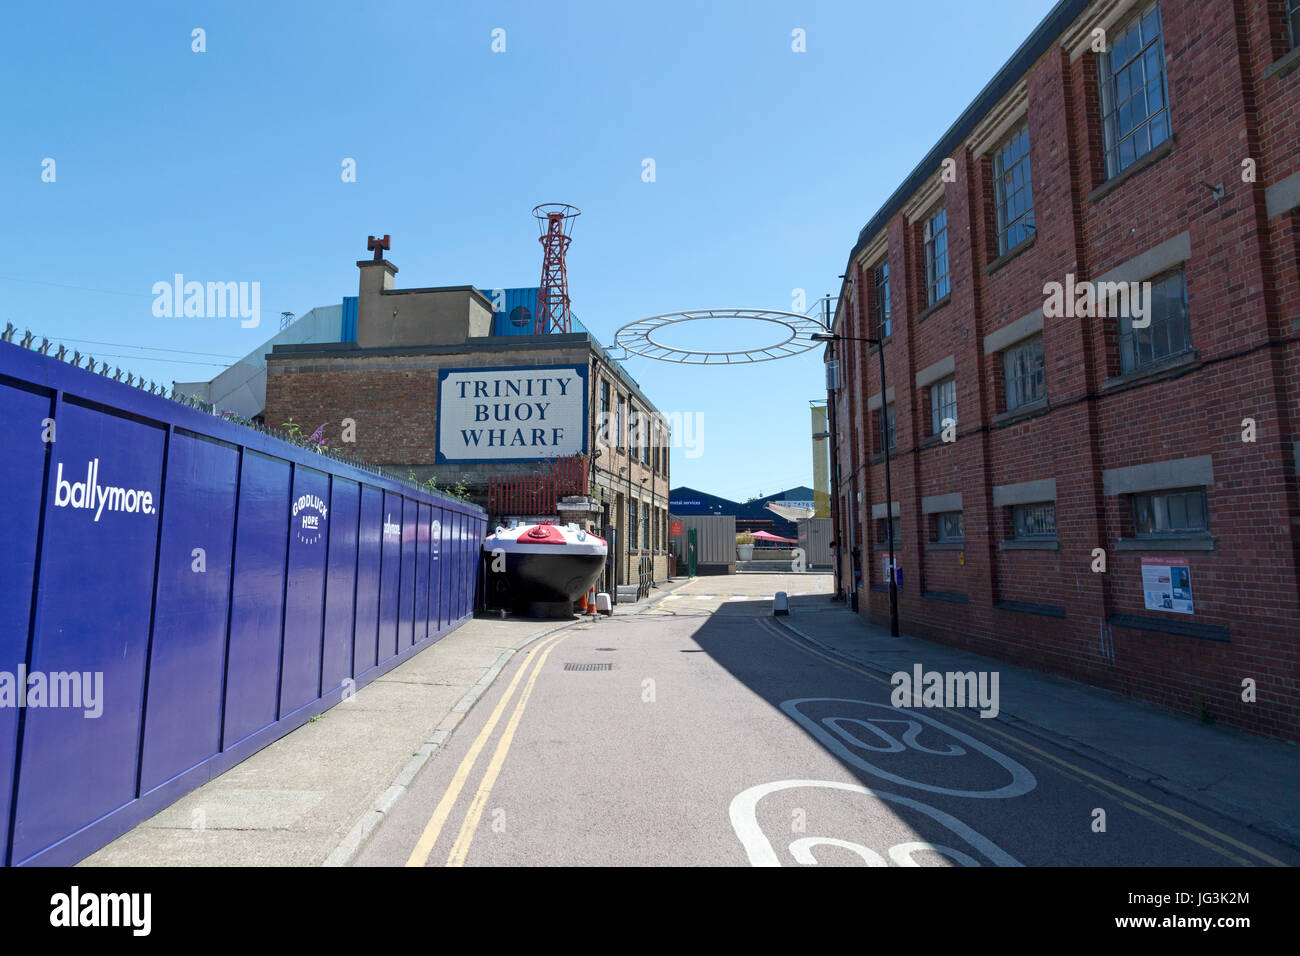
x=889, y=494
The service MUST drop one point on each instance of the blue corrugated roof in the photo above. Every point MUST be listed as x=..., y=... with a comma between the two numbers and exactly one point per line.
x=348, y=332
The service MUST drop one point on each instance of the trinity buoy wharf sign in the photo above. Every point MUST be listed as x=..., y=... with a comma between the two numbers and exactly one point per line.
x=512, y=413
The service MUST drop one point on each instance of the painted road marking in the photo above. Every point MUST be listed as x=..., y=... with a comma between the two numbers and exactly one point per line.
x=744, y=820
x=1048, y=758
x=420, y=855
x=466, y=836
x=1022, y=781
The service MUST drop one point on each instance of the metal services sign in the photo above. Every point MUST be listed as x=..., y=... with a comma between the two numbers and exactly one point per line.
x=512, y=413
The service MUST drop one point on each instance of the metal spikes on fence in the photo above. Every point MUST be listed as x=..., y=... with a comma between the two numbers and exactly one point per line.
x=193, y=401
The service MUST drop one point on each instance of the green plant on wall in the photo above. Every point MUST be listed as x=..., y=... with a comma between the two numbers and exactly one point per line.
x=459, y=490
x=315, y=441
x=744, y=538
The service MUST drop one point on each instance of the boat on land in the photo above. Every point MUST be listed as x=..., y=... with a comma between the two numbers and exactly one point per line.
x=541, y=569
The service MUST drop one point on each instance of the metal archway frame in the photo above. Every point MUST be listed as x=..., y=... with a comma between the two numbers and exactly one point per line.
x=636, y=338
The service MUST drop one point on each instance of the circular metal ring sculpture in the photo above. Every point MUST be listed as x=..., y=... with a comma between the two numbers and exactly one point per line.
x=637, y=337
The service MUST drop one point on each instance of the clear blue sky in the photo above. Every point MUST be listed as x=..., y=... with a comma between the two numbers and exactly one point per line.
x=225, y=166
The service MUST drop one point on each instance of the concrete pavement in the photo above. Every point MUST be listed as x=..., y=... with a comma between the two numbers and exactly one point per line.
x=1250, y=779
x=314, y=795
x=597, y=776
x=699, y=731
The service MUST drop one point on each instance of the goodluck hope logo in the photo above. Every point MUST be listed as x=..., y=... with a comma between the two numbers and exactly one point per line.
x=90, y=495
x=309, y=514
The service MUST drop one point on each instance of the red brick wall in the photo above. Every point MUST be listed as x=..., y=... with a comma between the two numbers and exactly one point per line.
x=395, y=411
x=1243, y=287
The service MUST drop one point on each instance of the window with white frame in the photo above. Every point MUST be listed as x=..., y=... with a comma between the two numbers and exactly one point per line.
x=1024, y=374
x=1163, y=513
x=1134, y=91
x=948, y=527
x=884, y=324
x=1168, y=329
x=943, y=404
x=1034, y=522
x=936, y=257
x=1014, y=191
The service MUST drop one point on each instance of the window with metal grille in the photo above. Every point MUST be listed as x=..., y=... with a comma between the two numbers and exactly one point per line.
x=1034, y=520
x=631, y=526
x=936, y=257
x=1170, y=512
x=948, y=526
x=1169, y=332
x=882, y=533
x=1023, y=371
x=1134, y=92
x=943, y=404
x=645, y=525
x=888, y=437
x=884, y=324
x=1015, y=194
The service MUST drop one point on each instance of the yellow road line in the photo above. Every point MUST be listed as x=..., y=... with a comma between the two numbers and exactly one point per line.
x=420, y=855
x=466, y=836
x=1045, y=756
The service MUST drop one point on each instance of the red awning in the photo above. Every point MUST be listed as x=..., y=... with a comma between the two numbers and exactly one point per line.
x=768, y=536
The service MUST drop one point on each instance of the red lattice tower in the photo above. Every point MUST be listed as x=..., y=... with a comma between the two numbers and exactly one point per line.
x=556, y=222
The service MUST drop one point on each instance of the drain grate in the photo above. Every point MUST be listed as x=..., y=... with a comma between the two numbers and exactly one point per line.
x=588, y=667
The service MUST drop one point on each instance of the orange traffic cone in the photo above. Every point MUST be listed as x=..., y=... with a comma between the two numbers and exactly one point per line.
x=591, y=601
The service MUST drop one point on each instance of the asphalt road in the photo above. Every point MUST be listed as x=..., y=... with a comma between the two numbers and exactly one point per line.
x=707, y=734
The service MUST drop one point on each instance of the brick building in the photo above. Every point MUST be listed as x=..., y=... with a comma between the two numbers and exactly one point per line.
x=427, y=388
x=1035, y=415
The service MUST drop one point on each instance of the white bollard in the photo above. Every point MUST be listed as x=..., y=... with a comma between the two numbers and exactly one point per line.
x=602, y=604
x=780, y=604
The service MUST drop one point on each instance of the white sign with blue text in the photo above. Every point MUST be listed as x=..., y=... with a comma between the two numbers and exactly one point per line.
x=511, y=414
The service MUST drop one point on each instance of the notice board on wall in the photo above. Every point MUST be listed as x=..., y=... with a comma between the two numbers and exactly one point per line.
x=1167, y=585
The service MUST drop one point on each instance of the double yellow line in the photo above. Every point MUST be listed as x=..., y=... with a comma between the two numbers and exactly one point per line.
x=535, y=660
x=1173, y=820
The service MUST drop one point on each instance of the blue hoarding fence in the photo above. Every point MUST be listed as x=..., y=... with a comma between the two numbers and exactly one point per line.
x=178, y=590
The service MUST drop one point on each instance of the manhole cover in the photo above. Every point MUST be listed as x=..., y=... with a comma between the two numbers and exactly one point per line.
x=588, y=667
